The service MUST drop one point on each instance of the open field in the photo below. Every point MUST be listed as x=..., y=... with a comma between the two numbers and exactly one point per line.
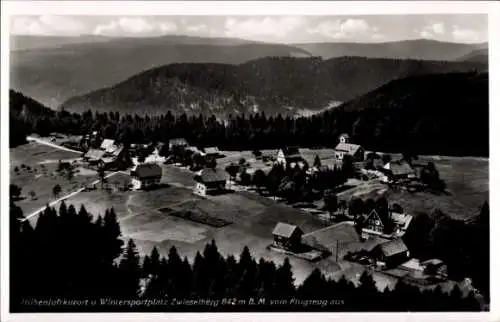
x=467, y=181
x=252, y=217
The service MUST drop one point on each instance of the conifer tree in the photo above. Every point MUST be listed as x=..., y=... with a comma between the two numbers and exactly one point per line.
x=130, y=271
x=284, y=287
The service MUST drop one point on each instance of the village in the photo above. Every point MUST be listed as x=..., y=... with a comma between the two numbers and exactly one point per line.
x=366, y=233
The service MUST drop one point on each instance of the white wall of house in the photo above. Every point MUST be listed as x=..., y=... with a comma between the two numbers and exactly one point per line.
x=200, y=189
x=280, y=158
x=141, y=184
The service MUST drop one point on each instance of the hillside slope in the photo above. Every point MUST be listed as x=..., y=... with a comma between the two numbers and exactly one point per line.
x=476, y=56
x=52, y=75
x=21, y=110
x=272, y=85
x=444, y=114
x=421, y=49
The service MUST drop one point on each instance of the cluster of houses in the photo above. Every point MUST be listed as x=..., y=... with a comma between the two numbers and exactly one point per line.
x=108, y=155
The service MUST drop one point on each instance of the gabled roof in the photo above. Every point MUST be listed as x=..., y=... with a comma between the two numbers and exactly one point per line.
x=107, y=143
x=398, y=168
x=344, y=135
x=211, y=150
x=94, y=154
x=178, y=141
x=285, y=230
x=117, y=151
x=373, y=213
x=148, y=170
x=291, y=151
x=393, y=247
x=349, y=148
x=402, y=220
x=212, y=175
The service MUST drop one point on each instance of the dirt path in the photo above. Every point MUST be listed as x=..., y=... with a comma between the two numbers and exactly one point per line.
x=69, y=195
x=33, y=139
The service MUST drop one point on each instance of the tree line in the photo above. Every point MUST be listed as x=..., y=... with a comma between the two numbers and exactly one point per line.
x=72, y=254
x=411, y=115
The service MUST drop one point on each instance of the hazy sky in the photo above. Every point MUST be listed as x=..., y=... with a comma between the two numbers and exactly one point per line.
x=283, y=29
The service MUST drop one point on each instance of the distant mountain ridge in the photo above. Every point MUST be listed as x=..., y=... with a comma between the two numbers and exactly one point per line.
x=418, y=49
x=54, y=69
x=272, y=85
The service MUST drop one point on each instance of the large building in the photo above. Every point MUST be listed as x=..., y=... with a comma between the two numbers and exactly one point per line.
x=210, y=181
x=146, y=175
x=346, y=148
x=287, y=236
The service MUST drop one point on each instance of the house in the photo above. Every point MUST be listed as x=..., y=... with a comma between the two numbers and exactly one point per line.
x=287, y=236
x=146, y=175
x=118, y=159
x=211, y=152
x=435, y=267
x=391, y=253
x=177, y=142
x=401, y=222
x=210, y=181
x=346, y=148
x=155, y=157
x=372, y=224
x=399, y=170
x=289, y=156
x=107, y=144
x=93, y=156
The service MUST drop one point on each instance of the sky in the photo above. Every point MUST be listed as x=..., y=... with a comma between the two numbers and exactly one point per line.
x=462, y=28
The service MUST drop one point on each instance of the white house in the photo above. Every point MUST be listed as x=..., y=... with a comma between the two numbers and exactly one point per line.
x=346, y=148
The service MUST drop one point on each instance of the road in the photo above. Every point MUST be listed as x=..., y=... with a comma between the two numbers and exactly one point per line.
x=69, y=195
x=38, y=140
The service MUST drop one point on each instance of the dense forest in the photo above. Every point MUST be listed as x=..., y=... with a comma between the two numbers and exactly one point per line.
x=433, y=114
x=274, y=85
x=80, y=262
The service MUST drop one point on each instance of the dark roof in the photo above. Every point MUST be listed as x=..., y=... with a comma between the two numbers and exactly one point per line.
x=393, y=247
x=94, y=154
x=148, y=170
x=212, y=175
x=285, y=230
x=400, y=168
x=291, y=151
x=347, y=147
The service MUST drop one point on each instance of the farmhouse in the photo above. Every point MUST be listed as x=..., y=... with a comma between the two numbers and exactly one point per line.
x=211, y=152
x=345, y=148
x=210, y=181
x=177, y=142
x=399, y=170
x=401, y=221
x=287, y=236
x=391, y=253
x=94, y=156
x=372, y=225
x=146, y=175
x=107, y=144
x=289, y=156
x=117, y=158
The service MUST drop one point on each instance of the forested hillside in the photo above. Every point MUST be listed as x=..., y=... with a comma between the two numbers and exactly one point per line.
x=275, y=85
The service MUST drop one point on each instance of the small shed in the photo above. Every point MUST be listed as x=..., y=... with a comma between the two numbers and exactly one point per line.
x=287, y=236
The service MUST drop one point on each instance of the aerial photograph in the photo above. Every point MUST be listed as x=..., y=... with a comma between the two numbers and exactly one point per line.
x=226, y=163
